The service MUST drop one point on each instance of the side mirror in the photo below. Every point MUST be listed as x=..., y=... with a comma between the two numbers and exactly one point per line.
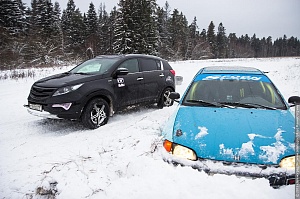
x=174, y=96
x=122, y=71
x=294, y=100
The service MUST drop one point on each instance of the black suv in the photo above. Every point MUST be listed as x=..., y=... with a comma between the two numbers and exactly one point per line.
x=97, y=88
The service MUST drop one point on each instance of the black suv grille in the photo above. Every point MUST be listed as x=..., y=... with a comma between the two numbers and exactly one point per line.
x=40, y=93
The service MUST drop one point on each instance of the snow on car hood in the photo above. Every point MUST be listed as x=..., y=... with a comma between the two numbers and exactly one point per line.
x=241, y=135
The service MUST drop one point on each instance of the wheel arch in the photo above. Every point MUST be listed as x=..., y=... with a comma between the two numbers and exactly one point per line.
x=106, y=95
x=168, y=86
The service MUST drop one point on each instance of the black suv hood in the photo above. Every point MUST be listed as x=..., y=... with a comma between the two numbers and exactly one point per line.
x=66, y=79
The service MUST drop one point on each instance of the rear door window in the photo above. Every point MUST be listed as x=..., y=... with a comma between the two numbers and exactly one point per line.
x=159, y=65
x=149, y=64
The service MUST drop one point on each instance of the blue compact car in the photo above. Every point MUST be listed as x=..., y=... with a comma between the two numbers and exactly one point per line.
x=233, y=120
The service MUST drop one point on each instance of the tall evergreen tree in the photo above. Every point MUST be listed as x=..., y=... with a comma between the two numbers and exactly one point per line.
x=135, y=28
x=232, y=45
x=92, y=39
x=12, y=29
x=179, y=33
x=12, y=16
x=211, y=38
x=148, y=31
x=293, y=46
x=44, y=32
x=73, y=29
x=263, y=44
x=103, y=31
x=193, y=37
x=112, y=20
x=203, y=34
x=123, y=28
x=221, y=42
x=164, y=43
x=269, y=46
x=255, y=44
x=56, y=19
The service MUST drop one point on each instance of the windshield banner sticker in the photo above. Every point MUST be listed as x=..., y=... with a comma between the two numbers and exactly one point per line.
x=237, y=77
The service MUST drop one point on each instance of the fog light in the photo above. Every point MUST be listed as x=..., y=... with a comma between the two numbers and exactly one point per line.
x=288, y=163
x=65, y=106
x=184, y=152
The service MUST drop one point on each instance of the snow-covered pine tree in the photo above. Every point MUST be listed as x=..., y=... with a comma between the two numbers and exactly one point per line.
x=73, y=29
x=12, y=16
x=43, y=45
x=211, y=38
x=147, y=23
x=104, y=43
x=12, y=30
x=123, y=27
x=178, y=27
x=112, y=20
x=221, y=42
x=203, y=34
x=164, y=44
x=193, y=37
x=270, y=45
x=255, y=44
x=92, y=37
x=135, y=27
x=232, y=45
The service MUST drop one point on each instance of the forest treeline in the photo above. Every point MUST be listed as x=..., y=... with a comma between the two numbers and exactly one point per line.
x=43, y=35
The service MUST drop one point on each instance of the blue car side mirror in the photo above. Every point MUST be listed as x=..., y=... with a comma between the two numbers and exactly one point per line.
x=174, y=96
x=294, y=100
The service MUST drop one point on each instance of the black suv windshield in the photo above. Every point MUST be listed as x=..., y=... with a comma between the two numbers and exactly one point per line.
x=234, y=93
x=94, y=66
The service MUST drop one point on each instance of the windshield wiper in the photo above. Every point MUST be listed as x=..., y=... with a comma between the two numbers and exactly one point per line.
x=261, y=106
x=237, y=104
x=215, y=104
x=248, y=105
x=81, y=73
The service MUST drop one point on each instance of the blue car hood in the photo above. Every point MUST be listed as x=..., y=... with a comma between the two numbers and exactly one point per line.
x=255, y=136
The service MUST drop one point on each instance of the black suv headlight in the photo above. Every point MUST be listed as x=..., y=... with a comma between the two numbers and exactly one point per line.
x=67, y=89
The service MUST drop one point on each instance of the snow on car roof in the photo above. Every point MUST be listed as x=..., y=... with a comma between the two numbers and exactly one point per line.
x=230, y=69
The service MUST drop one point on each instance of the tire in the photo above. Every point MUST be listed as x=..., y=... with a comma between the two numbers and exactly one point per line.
x=95, y=114
x=165, y=101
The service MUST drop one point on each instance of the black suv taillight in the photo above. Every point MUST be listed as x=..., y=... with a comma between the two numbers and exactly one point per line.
x=173, y=72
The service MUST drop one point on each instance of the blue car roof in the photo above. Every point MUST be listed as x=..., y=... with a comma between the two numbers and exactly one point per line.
x=229, y=70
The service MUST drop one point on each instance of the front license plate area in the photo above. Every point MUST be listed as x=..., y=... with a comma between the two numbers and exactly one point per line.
x=36, y=107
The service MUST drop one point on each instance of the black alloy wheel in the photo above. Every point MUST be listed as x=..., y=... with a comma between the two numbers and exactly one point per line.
x=165, y=100
x=95, y=114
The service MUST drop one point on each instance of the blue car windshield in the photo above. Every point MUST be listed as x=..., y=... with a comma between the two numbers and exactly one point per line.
x=94, y=66
x=236, y=93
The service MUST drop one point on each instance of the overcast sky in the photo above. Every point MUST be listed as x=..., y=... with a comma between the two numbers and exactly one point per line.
x=263, y=17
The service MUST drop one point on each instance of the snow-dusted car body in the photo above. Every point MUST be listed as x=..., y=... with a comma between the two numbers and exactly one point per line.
x=233, y=116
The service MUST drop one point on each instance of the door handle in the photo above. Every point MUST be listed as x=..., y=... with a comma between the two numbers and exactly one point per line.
x=139, y=78
x=162, y=75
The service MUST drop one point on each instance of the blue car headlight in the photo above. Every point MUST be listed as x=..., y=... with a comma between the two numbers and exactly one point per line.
x=288, y=162
x=179, y=150
x=67, y=89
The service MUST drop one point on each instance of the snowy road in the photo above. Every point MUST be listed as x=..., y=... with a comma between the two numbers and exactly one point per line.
x=118, y=160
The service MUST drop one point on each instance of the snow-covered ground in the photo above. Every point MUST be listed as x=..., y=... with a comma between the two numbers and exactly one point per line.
x=121, y=159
